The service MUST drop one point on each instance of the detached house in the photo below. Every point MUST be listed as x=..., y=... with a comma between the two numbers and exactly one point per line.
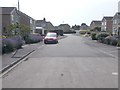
x=107, y=24
x=9, y=16
x=95, y=24
x=64, y=27
x=43, y=25
x=116, y=24
x=84, y=26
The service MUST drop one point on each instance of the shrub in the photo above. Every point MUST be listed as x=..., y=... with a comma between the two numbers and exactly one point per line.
x=107, y=40
x=93, y=36
x=33, y=38
x=118, y=43
x=101, y=36
x=114, y=41
x=11, y=43
x=7, y=45
x=82, y=32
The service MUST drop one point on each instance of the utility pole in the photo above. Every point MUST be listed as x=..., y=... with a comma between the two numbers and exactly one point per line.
x=17, y=30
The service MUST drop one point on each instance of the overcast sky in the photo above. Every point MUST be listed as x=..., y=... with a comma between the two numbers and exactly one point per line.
x=65, y=11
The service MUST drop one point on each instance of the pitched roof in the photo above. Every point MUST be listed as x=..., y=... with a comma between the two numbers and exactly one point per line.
x=25, y=15
x=96, y=22
x=7, y=10
x=117, y=16
x=108, y=18
x=63, y=25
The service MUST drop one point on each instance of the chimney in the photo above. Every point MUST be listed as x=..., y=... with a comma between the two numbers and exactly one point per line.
x=18, y=6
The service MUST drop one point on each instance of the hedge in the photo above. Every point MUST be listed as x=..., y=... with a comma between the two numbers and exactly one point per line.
x=11, y=43
x=33, y=38
x=93, y=36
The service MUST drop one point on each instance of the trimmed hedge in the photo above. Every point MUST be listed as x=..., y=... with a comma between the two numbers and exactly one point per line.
x=33, y=38
x=12, y=43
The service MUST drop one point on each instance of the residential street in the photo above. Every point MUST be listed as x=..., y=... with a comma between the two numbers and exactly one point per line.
x=75, y=62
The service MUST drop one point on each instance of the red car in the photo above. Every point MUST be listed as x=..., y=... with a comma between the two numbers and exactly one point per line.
x=51, y=37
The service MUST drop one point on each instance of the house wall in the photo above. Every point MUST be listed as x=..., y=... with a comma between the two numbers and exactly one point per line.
x=116, y=24
x=32, y=25
x=14, y=17
x=6, y=21
x=0, y=21
x=103, y=26
x=109, y=25
x=24, y=20
x=65, y=28
x=93, y=25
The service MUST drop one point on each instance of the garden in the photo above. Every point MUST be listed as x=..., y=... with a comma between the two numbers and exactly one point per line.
x=106, y=38
x=13, y=40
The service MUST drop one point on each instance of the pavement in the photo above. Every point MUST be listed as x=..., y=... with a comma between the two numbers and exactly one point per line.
x=8, y=60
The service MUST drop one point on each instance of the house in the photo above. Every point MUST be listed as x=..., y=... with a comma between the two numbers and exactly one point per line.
x=76, y=27
x=94, y=24
x=116, y=24
x=84, y=26
x=9, y=16
x=64, y=27
x=107, y=24
x=46, y=25
x=27, y=21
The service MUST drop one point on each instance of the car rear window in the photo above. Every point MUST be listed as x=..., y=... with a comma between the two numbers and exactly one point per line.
x=51, y=35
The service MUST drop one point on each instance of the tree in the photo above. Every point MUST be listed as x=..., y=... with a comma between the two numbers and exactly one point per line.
x=24, y=30
x=17, y=29
x=10, y=30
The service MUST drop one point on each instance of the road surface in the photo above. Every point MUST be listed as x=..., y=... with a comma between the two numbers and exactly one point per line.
x=75, y=62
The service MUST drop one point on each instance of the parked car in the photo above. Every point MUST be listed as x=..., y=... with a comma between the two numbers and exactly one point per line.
x=51, y=37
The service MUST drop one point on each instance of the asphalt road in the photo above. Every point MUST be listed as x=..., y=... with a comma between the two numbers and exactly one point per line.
x=75, y=62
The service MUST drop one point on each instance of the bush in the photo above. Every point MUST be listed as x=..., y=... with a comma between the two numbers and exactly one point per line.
x=11, y=43
x=114, y=41
x=118, y=43
x=93, y=36
x=107, y=40
x=33, y=38
x=82, y=32
x=101, y=36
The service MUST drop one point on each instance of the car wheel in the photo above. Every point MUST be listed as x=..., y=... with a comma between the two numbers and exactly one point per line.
x=45, y=42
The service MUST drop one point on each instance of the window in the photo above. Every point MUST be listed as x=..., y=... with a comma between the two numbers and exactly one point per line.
x=30, y=21
x=119, y=21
